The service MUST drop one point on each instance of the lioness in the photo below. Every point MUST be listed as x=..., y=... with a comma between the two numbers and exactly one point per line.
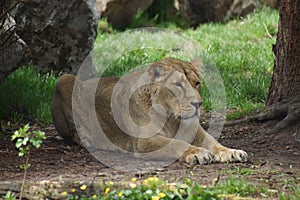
x=153, y=108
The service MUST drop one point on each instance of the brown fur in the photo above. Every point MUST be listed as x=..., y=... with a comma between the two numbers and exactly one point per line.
x=174, y=85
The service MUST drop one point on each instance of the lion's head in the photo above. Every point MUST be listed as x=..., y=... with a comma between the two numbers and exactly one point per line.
x=169, y=87
x=175, y=86
x=165, y=91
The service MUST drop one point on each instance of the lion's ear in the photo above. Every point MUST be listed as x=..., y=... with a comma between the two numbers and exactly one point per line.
x=197, y=62
x=155, y=71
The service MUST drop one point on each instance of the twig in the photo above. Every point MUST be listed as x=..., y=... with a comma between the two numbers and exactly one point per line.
x=268, y=33
x=24, y=177
x=215, y=180
x=295, y=135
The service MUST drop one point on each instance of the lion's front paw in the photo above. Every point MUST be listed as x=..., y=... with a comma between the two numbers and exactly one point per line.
x=231, y=155
x=197, y=156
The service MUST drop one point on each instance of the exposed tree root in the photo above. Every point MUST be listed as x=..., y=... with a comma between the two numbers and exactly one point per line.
x=287, y=112
x=277, y=111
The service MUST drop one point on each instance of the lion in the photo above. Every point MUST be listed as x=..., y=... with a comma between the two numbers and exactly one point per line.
x=157, y=107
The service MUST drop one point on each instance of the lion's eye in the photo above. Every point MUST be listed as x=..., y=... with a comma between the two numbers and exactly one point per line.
x=178, y=84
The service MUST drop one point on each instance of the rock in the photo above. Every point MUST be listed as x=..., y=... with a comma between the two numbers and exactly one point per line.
x=59, y=34
x=270, y=3
x=12, y=46
x=201, y=11
x=53, y=35
x=121, y=12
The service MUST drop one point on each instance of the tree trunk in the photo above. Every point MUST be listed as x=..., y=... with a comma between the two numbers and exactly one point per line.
x=284, y=91
x=285, y=85
x=283, y=100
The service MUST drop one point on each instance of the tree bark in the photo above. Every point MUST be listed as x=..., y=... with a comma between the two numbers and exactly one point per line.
x=283, y=100
x=285, y=85
x=284, y=91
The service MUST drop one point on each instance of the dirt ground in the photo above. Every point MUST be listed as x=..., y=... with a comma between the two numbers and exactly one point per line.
x=273, y=161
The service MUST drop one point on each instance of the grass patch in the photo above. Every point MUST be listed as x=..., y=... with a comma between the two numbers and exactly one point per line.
x=154, y=188
x=242, y=51
x=138, y=57
x=27, y=95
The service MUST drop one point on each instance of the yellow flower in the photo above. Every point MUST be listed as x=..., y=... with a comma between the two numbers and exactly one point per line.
x=132, y=185
x=145, y=181
x=94, y=196
x=133, y=179
x=161, y=195
x=73, y=190
x=110, y=183
x=150, y=179
x=83, y=187
x=155, y=179
x=64, y=193
x=120, y=194
x=107, y=190
x=155, y=198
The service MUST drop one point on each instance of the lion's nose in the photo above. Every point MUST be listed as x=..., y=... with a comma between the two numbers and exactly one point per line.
x=197, y=104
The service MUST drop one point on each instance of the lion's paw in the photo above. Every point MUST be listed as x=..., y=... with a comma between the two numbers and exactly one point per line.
x=231, y=155
x=197, y=156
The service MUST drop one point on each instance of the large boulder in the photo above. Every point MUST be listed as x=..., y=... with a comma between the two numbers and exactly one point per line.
x=58, y=35
x=270, y=3
x=121, y=12
x=201, y=11
x=11, y=48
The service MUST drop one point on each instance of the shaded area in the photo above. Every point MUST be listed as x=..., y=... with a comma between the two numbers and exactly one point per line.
x=273, y=161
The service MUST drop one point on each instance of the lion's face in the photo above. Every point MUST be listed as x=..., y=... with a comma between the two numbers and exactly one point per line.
x=173, y=91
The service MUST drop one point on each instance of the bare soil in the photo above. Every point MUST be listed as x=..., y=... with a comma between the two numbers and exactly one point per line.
x=274, y=161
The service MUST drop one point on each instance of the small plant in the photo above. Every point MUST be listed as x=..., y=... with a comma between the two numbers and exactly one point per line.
x=9, y=196
x=25, y=140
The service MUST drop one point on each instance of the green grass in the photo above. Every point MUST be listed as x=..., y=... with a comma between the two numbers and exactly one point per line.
x=26, y=95
x=240, y=49
x=138, y=57
x=154, y=188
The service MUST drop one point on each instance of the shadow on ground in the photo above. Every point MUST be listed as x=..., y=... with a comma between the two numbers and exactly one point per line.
x=273, y=161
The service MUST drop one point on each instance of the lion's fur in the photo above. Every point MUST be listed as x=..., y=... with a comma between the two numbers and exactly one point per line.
x=173, y=84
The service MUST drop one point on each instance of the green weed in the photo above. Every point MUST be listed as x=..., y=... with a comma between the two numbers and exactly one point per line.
x=240, y=188
x=9, y=196
x=25, y=141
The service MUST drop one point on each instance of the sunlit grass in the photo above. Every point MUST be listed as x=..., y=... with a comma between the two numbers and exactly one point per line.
x=242, y=51
x=153, y=188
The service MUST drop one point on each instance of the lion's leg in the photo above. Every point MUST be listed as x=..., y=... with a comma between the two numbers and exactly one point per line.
x=220, y=152
x=63, y=121
x=161, y=147
x=61, y=109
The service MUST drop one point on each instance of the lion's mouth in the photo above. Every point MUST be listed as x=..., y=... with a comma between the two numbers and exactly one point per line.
x=183, y=117
x=189, y=114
